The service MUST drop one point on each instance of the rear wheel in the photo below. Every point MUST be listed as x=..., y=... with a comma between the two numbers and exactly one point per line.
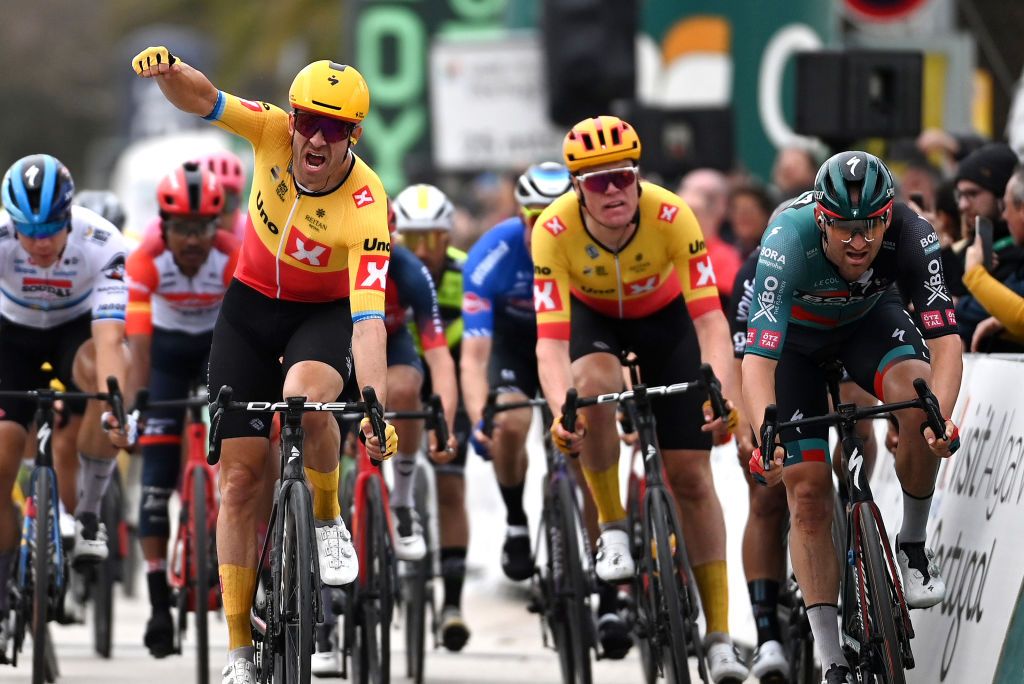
x=295, y=593
x=881, y=600
x=42, y=565
x=665, y=588
x=416, y=577
x=201, y=558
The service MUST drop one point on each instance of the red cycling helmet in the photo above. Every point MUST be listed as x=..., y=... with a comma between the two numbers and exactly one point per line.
x=227, y=167
x=190, y=190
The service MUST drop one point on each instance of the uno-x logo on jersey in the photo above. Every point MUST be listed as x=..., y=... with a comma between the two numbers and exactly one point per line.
x=668, y=212
x=363, y=197
x=554, y=226
x=545, y=296
x=702, y=274
x=373, y=272
x=249, y=104
x=306, y=249
x=642, y=286
x=472, y=303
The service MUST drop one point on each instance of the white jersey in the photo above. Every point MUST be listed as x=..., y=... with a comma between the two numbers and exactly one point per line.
x=88, y=276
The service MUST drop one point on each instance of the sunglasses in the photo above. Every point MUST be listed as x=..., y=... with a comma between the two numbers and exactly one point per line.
x=428, y=238
x=333, y=130
x=847, y=230
x=186, y=228
x=599, y=181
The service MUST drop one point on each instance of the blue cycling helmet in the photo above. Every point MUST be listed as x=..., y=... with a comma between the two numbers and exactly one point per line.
x=37, y=192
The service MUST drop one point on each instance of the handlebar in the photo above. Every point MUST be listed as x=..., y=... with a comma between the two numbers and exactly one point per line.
x=714, y=387
x=930, y=404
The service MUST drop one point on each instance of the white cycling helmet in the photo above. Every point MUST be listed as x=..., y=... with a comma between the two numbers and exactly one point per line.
x=542, y=184
x=423, y=207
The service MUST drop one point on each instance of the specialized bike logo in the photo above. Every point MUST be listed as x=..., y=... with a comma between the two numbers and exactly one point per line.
x=856, y=463
x=43, y=433
x=363, y=197
x=702, y=274
x=373, y=272
x=667, y=213
x=545, y=296
x=852, y=163
x=766, y=300
x=554, y=226
x=307, y=250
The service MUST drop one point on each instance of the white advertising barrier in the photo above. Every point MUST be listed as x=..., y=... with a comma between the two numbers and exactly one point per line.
x=488, y=104
x=976, y=530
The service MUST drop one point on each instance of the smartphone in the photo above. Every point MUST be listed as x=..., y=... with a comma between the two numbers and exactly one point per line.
x=918, y=199
x=983, y=231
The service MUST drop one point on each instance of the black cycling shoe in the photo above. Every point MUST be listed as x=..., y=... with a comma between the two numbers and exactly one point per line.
x=516, y=561
x=839, y=674
x=613, y=633
x=159, y=638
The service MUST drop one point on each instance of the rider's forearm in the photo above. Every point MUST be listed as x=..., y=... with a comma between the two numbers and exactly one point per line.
x=476, y=352
x=442, y=376
x=108, y=339
x=138, y=368
x=758, y=388
x=555, y=371
x=947, y=366
x=188, y=89
x=716, y=350
x=369, y=340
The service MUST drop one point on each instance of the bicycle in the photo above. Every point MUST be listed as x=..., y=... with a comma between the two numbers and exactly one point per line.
x=37, y=594
x=562, y=590
x=284, y=619
x=875, y=619
x=665, y=612
x=193, y=562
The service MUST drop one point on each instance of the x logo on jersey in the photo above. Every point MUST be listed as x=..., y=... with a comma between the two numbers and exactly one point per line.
x=667, y=213
x=311, y=256
x=707, y=273
x=935, y=293
x=642, y=286
x=764, y=310
x=376, y=274
x=363, y=197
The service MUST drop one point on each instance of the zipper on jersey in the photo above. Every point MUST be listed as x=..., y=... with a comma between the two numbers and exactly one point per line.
x=618, y=282
x=284, y=239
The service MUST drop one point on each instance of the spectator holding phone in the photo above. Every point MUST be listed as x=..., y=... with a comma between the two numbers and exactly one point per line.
x=1004, y=301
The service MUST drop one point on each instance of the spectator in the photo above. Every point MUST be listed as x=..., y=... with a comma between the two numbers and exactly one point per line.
x=951, y=148
x=980, y=182
x=920, y=177
x=749, y=210
x=1003, y=300
x=945, y=219
x=706, y=192
x=794, y=171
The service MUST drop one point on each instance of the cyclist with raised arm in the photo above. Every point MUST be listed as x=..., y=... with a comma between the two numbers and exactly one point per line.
x=176, y=282
x=306, y=300
x=620, y=264
x=62, y=301
x=825, y=288
x=424, y=217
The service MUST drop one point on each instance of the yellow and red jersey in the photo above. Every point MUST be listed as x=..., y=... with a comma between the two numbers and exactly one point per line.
x=666, y=257
x=304, y=246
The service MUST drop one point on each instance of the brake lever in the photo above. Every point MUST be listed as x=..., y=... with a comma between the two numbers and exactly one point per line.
x=375, y=412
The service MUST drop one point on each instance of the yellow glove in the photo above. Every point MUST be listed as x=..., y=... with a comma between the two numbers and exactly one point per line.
x=153, y=57
x=731, y=420
x=561, y=443
x=390, y=448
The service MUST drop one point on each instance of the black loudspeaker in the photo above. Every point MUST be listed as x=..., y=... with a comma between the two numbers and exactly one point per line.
x=676, y=141
x=845, y=96
x=590, y=56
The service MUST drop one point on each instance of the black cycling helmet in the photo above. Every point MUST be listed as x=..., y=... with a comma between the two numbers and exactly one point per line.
x=850, y=176
x=103, y=202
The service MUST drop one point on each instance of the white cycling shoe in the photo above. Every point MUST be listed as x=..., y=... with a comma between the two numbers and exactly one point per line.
x=922, y=590
x=409, y=542
x=614, y=560
x=90, y=544
x=338, y=562
x=241, y=671
x=770, y=660
x=724, y=664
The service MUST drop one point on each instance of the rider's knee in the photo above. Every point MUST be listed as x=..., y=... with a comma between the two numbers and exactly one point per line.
x=516, y=424
x=810, y=504
x=240, y=483
x=404, y=395
x=691, y=478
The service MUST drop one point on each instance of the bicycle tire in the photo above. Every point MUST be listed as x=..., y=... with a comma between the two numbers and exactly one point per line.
x=41, y=571
x=200, y=553
x=648, y=660
x=551, y=581
x=576, y=600
x=373, y=633
x=106, y=572
x=414, y=592
x=880, y=599
x=295, y=594
x=671, y=632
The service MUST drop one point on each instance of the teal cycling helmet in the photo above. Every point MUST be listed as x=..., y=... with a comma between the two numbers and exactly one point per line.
x=853, y=185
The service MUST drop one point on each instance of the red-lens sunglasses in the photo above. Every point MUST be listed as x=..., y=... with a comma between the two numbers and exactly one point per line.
x=333, y=130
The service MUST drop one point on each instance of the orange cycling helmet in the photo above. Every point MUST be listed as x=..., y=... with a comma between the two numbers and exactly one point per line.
x=600, y=140
x=332, y=89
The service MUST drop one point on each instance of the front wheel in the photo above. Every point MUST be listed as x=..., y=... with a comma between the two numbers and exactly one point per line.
x=665, y=587
x=107, y=571
x=294, y=597
x=881, y=599
x=200, y=554
x=375, y=593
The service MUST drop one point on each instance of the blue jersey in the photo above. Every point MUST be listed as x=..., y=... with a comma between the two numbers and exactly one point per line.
x=411, y=289
x=498, y=282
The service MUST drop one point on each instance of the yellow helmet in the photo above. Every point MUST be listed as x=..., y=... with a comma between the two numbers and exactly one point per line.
x=600, y=140
x=333, y=89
